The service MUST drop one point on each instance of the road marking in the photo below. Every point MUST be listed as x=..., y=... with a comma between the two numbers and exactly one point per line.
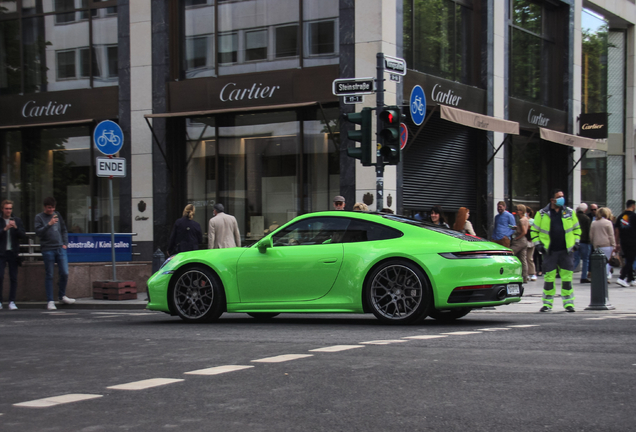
x=425, y=337
x=383, y=342
x=461, y=333
x=145, y=384
x=123, y=313
x=282, y=358
x=494, y=329
x=107, y=316
x=604, y=317
x=218, y=370
x=56, y=400
x=336, y=348
x=524, y=326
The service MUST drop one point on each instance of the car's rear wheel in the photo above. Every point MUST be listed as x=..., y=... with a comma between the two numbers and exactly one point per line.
x=398, y=292
x=198, y=296
x=263, y=316
x=449, y=314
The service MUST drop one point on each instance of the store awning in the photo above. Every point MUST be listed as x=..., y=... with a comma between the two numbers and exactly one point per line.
x=572, y=140
x=64, y=123
x=479, y=121
x=230, y=110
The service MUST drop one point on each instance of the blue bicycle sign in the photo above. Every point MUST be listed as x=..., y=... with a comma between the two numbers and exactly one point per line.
x=418, y=105
x=108, y=137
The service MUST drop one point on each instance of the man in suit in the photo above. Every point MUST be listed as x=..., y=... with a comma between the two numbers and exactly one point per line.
x=223, y=230
x=11, y=231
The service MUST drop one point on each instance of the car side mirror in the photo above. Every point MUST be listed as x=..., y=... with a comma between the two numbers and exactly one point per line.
x=264, y=244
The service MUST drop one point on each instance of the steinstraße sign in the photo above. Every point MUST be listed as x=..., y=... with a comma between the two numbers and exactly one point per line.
x=353, y=86
x=593, y=125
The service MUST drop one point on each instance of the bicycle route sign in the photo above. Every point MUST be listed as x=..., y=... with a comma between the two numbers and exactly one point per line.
x=108, y=137
x=417, y=103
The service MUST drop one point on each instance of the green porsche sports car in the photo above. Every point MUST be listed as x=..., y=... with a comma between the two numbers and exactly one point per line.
x=397, y=268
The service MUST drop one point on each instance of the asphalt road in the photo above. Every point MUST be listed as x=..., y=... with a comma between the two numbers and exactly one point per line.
x=501, y=372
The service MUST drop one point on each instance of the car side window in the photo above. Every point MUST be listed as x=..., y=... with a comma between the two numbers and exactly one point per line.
x=312, y=231
x=361, y=231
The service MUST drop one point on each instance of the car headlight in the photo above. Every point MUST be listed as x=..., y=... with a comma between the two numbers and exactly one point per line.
x=166, y=262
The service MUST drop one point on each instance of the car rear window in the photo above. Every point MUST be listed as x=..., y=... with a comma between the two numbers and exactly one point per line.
x=436, y=228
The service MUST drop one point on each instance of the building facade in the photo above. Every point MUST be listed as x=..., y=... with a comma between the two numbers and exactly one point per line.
x=231, y=101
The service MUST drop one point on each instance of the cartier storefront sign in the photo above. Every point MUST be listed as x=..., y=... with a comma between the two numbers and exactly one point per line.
x=54, y=107
x=593, y=125
x=254, y=90
x=439, y=91
x=533, y=116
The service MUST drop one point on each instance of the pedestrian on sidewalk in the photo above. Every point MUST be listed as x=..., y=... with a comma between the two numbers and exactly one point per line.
x=532, y=269
x=436, y=216
x=223, y=231
x=625, y=233
x=585, y=248
x=556, y=234
x=338, y=202
x=519, y=243
x=11, y=232
x=462, y=224
x=504, y=225
x=602, y=236
x=186, y=233
x=51, y=229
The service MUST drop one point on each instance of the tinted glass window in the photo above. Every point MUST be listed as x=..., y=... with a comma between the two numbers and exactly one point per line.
x=313, y=231
x=360, y=230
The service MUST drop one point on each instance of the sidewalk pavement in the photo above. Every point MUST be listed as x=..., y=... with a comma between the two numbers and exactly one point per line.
x=623, y=299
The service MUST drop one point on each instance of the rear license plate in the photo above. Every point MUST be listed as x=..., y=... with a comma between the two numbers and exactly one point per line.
x=513, y=289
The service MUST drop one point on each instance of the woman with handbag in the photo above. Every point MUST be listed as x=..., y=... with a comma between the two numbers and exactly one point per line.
x=602, y=236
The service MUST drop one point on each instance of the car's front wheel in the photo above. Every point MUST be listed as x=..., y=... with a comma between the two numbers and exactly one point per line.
x=198, y=296
x=398, y=292
x=449, y=315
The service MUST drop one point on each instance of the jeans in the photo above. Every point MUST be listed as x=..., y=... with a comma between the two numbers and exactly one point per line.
x=11, y=259
x=50, y=258
x=583, y=255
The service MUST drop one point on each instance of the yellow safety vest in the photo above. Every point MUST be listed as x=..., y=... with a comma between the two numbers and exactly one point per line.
x=540, y=228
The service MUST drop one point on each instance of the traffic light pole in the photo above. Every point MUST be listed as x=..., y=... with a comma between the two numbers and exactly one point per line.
x=379, y=165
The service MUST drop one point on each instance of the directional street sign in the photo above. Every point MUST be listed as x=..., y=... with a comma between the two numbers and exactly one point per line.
x=107, y=167
x=353, y=86
x=395, y=65
x=108, y=137
x=355, y=99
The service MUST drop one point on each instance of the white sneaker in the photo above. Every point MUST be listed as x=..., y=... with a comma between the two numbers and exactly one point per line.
x=51, y=305
x=12, y=306
x=533, y=277
x=633, y=283
x=67, y=300
x=621, y=282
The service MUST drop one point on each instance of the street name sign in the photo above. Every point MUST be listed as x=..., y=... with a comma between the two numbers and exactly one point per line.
x=353, y=86
x=355, y=99
x=107, y=167
x=395, y=65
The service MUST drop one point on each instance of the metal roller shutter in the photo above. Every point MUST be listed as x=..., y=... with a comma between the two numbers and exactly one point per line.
x=441, y=166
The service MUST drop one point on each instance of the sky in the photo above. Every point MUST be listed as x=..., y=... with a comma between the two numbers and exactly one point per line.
x=591, y=20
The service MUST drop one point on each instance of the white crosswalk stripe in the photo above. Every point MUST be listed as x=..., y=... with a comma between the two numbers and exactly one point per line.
x=383, y=342
x=56, y=400
x=218, y=370
x=425, y=337
x=524, y=326
x=282, y=358
x=461, y=333
x=493, y=329
x=145, y=384
x=336, y=348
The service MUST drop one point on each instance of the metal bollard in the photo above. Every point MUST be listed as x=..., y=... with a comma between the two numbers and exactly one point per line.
x=599, y=297
x=157, y=260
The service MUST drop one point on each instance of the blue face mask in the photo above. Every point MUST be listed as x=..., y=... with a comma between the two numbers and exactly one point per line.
x=560, y=202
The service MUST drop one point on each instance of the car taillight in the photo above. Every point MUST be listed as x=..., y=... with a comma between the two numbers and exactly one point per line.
x=476, y=254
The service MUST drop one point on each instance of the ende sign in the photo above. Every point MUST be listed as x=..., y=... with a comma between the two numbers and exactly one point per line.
x=107, y=167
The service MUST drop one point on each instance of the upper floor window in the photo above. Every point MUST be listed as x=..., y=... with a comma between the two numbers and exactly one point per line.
x=226, y=37
x=51, y=45
x=537, y=62
x=443, y=38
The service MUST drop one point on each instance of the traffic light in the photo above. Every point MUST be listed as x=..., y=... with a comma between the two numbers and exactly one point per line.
x=390, y=134
x=363, y=135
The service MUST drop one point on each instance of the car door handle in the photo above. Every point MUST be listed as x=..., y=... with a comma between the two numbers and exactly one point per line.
x=328, y=260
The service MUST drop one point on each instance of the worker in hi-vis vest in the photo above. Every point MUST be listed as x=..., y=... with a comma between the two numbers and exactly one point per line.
x=555, y=233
